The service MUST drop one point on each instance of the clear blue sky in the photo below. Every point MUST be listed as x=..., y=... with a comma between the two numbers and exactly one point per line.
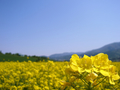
x=45, y=27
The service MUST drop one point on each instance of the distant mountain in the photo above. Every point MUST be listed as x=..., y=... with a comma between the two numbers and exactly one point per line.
x=113, y=51
x=60, y=55
x=114, y=55
x=109, y=47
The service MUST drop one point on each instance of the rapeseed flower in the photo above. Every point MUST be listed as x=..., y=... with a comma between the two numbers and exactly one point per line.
x=91, y=69
x=64, y=84
x=113, y=74
x=48, y=75
x=91, y=77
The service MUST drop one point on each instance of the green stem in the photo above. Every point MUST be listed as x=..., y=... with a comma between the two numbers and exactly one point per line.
x=99, y=82
x=74, y=87
x=117, y=88
x=89, y=86
x=84, y=81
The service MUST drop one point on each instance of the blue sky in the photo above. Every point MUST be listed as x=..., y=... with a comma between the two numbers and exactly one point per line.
x=45, y=27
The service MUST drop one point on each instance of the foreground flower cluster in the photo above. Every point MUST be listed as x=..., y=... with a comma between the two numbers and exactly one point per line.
x=87, y=73
x=93, y=71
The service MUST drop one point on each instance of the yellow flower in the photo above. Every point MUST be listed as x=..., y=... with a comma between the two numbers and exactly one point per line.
x=46, y=88
x=101, y=63
x=104, y=72
x=31, y=81
x=29, y=74
x=90, y=77
x=72, y=89
x=113, y=74
x=27, y=57
x=75, y=59
x=50, y=62
x=72, y=79
x=81, y=64
x=101, y=60
x=13, y=88
x=19, y=88
x=86, y=64
x=64, y=84
x=36, y=87
x=74, y=67
x=1, y=85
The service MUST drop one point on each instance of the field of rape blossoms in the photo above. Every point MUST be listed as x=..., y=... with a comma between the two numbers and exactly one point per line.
x=86, y=73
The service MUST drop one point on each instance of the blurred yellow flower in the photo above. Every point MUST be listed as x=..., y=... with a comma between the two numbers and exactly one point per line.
x=64, y=84
x=113, y=75
x=91, y=77
x=13, y=88
x=36, y=87
x=27, y=57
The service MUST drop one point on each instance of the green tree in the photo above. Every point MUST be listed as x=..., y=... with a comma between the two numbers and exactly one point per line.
x=17, y=54
x=1, y=52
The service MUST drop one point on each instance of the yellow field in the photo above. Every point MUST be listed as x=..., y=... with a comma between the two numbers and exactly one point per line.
x=117, y=64
x=31, y=75
x=46, y=76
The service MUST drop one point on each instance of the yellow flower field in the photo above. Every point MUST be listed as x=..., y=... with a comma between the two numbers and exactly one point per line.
x=32, y=75
x=87, y=73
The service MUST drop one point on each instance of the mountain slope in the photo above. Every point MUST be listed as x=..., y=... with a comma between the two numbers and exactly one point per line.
x=113, y=51
x=59, y=56
x=109, y=47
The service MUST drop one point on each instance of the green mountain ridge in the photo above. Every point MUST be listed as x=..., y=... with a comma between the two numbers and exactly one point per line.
x=113, y=51
x=57, y=56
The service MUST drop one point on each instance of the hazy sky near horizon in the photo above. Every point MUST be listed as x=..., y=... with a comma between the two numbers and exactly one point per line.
x=45, y=27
